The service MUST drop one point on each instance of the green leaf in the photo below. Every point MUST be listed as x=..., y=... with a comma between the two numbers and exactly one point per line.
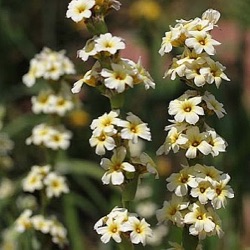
x=80, y=167
x=84, y=204
x=94, y=193
x=72, y=222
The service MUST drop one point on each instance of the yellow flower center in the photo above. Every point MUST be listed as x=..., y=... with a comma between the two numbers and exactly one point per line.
x=199, y=217
x=138, y=230
x=184, y=179
x=195, y=144
x=55, y=184
x=218, y=191
x=202, y=42
x=81, y=9
x=173, y=211
x=61, y=102
x=187, y=109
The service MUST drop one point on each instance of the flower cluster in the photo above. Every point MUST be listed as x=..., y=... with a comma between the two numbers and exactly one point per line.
x=50, y=103
x=117, y=74
x=194, y=65
x=53, y=137
x=55, y=100
x=85, y=10
x=48, y=226
x=112, y=75
x=119, y=222
x=185, y=132
x=112, y=133
x=108, y=127
x=198, y=190
x=41, y=177
x=48, y=64
x=205, y=184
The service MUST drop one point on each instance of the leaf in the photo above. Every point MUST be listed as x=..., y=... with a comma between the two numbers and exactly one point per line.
x=80, y=167
x=72, y=222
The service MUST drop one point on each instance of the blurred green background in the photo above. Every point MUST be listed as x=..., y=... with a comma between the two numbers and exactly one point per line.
x=27, y=26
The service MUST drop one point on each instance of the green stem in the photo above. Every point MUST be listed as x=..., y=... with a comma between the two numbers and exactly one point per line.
x=129, y=191
x=126, y=244
x=117, y=101
x=44, y=202
x=189, y=242
x=97, y=25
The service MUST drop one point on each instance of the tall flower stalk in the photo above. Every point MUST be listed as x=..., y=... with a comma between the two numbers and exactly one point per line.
x=115, y=131
x=198, y=190
x=54, y=101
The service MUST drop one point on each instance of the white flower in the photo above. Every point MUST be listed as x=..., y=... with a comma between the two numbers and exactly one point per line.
x=41, y=103
x=217, y=221
x=214, y=72
x=55, y=185
x=33, y=181
x=173, y=141
x=105, y=123
x=211, y=15
x=140, y=230
x=88, y=50
x=40, y=134
x=77, y=86
x=196, y=142
x=107, y=42
x=116, y=213
x=60, y=105
x=186, y=110
x=148, y=162
x=200, y=219
x=134, y=128
x=115, y=167
x=40, y=170
x=176, y=68
x=79, y=9
x=48, y=64
x=23, y=222
x=217, y=143
x=180, y=182
x=166, y=45
x=221, y=192
x=213, y=104
x=102, y=142
x=36, y=70
x=201, y=41
x=89, y=78
x=203, y=192
x=41, y=224
x=59, y=138
x=194, y=71
x=143, y=75
x=171, y=210
x=58, y=233
x=117, y=78
x=198, y=25
x=208, y=173
x=111, y=230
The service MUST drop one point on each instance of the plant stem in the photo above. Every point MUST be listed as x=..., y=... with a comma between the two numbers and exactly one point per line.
x=189, y=242
x=116, y=101
x=126, y=244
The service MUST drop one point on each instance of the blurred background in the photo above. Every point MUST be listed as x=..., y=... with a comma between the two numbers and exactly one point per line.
x=27, y=26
